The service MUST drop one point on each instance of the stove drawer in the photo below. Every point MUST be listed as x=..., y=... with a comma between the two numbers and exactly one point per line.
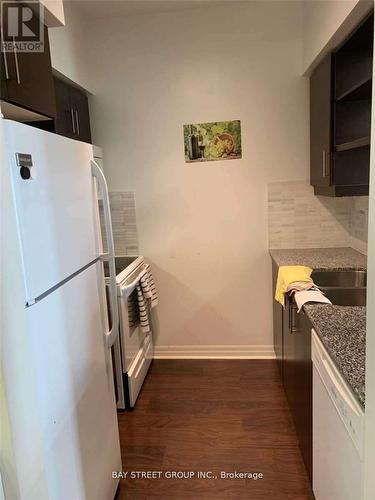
x=139, y=368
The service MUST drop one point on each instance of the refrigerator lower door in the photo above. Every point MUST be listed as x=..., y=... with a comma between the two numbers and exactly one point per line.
x=74, y=387
x=55, y=205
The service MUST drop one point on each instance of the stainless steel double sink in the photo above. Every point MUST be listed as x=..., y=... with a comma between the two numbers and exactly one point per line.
x=342, y=287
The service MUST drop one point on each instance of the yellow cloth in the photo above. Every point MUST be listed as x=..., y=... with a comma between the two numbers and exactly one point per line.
x=288, y=275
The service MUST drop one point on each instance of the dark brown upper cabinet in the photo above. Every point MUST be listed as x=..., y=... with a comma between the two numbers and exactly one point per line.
x=26, y=79
x=73, y=118
x=321, y=124
x=340, y=117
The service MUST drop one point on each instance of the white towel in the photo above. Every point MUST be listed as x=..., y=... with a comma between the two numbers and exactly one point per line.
x=310, y=296
x=133, y=310
x=300, y=286
x=147, y=299
x=149, y=288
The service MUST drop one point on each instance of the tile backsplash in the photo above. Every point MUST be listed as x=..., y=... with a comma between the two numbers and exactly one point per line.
x=124, y=223
x=299, y=219
x=359, y=222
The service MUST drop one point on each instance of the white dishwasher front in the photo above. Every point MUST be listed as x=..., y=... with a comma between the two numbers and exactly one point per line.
x=338, y=426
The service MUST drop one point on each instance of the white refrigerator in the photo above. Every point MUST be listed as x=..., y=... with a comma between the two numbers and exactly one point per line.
x=60, y=437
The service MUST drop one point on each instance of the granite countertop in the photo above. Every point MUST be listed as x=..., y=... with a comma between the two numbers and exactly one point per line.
x=342, y=330
x=321, y=258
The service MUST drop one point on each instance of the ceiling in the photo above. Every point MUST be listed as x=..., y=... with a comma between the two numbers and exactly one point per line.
x=99, y=9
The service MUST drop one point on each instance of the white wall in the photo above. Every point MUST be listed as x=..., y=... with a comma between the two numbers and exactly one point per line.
x=68, y=45
x=54, y=12
x=326, y=24
x=203, y=226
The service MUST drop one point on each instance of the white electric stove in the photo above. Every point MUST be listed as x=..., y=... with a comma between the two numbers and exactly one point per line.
x=133, y=350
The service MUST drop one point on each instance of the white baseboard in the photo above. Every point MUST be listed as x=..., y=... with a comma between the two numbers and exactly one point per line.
x=214, y=352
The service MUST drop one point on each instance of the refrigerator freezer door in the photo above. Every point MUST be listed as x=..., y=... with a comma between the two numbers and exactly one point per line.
x=75, y=393
x=55, y=208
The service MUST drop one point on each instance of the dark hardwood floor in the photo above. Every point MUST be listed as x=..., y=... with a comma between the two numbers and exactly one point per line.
x=212, y=415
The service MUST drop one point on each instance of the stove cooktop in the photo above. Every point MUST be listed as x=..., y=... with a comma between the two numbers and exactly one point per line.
x=121, y=263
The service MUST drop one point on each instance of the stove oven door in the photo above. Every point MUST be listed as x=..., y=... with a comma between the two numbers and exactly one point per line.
x=132, y=338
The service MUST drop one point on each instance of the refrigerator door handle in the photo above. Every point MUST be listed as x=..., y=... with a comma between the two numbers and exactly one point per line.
x=110, y=255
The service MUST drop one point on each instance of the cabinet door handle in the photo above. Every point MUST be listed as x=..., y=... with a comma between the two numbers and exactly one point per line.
x=72, y=117
x=77, y=122
x=3, y=50
x=16, y=61
x=324, y=163
x=289, y=317
x=6, y=65
x=293, y=328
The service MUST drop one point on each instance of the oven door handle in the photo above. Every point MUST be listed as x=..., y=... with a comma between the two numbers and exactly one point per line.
x=126, y=290
x=111, y=334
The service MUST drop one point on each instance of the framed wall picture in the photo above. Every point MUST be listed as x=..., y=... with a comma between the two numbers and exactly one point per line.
x=212, y=141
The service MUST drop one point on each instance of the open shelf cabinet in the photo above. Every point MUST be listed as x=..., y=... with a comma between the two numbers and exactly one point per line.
x=340, y=116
